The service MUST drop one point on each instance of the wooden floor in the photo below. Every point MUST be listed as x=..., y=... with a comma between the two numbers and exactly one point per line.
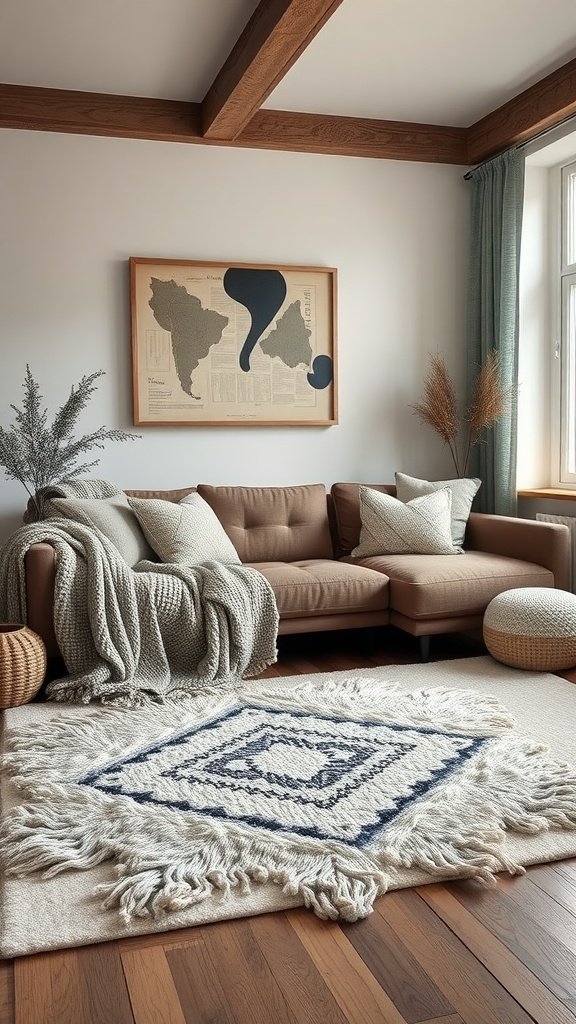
x=441, y=954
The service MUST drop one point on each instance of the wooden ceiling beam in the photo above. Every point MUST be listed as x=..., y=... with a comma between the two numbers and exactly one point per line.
x=93, y=113
x=355, y=136
x=134, y=117
x=542, y=106
x=277, y=33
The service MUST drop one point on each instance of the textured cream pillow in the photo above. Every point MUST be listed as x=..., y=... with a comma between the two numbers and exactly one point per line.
x=390, y=527
x=187, y=532
x=463, y=490
x=114, y=518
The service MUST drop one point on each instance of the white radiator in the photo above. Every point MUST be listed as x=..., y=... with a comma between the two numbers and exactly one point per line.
x=570, y=522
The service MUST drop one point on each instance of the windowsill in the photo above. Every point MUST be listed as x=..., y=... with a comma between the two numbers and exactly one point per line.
x=559, y=493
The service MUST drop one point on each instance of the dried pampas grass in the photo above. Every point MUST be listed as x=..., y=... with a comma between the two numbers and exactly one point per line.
x=439, y=406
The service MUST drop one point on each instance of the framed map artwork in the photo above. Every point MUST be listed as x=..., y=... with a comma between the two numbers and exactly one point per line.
x=232, y=343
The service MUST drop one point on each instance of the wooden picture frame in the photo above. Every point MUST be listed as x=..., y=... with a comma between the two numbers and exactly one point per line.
x=232, y=344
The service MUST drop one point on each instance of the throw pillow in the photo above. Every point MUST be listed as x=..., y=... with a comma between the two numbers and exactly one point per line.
x=390, y=527
x=463, y=491
x=188, y=532
x=114, y=518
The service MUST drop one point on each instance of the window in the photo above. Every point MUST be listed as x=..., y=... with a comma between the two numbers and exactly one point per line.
x=567, y=351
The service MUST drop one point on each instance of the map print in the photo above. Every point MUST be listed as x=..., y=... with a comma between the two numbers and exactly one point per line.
x=216, y=343
x=192, y=329
x=290, y=339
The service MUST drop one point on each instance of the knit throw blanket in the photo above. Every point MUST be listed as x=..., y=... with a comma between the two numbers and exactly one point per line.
x=87, y=487
x=156, y=630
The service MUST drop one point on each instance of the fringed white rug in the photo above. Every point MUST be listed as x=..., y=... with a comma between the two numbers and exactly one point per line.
x=322, y=792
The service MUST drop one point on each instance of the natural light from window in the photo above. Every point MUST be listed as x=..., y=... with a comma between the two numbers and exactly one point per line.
x=547, y=343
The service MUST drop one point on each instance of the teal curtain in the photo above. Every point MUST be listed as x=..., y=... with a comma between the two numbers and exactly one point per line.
x=497, y=204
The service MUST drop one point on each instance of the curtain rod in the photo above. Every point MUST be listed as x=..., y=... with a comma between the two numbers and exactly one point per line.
x=521, y=145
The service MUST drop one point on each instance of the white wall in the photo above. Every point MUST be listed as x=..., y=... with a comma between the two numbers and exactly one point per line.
x=73, y=209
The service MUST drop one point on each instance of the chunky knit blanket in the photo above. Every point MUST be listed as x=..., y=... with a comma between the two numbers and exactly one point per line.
x=86, y=487
x=156, y=630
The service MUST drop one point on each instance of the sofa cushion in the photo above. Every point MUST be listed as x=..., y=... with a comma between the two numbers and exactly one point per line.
x=279, y=524
x=319, y=587
x=346, y=508
x=463, y=491
x=435, y=586
x=390, y=526
x=114, y=518
x=187, y=532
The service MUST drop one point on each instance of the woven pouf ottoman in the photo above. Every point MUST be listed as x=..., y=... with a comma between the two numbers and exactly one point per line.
x=532, y=628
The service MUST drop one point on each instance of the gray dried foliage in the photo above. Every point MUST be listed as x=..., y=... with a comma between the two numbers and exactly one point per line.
x=37, y=453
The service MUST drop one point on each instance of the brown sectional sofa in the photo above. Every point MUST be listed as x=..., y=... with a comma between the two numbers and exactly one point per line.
x=300, y=538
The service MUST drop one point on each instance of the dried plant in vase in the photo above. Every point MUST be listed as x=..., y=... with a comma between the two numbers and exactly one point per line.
x=37, y=453
x=439, y=407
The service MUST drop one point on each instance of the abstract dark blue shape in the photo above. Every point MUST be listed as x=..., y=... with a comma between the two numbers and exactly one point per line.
x=262, y=292
x=321, y=374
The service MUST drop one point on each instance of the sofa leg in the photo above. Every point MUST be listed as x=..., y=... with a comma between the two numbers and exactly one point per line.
x=424, y=648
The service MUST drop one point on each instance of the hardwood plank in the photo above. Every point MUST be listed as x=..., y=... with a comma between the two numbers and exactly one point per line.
x=560, y=887
x=526, y=988
x=275, y=36
x=339, y=662
x=454, y=1018
x=6, y=992
x=397, y=970
x=151, y=987
x=566, y=868
x=167, y=939
x=474, y=993
x=249, y=990
x=136, y=117
x=78, y=986
x=301, y=667
x=305, y=991
x=48, y=989
x=545, y=911
x=197, y=983
x=105, y=994
x=542, y=106
x=526, y=938
x=354, y=987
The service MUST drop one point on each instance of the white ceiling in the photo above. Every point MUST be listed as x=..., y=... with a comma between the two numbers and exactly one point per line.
x=435, y=61
x=171, y=49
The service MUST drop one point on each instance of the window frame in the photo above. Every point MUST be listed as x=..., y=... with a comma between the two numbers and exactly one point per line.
x=564, y=332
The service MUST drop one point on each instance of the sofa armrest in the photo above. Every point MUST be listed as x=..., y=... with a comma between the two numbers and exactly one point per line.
x=546, y=544
x=40, y=567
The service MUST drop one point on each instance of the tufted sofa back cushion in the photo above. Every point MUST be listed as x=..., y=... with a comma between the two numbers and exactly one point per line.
x=346, y=505
x=273, y=524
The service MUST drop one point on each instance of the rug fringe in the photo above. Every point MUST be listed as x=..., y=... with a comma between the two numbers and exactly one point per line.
x=461, y=711
x=191, y=861
x=65, y=746
x=513, y=786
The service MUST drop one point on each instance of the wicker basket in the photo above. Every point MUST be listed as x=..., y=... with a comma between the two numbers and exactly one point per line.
x=22, y=664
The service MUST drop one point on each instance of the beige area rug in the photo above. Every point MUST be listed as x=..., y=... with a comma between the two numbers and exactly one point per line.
x=39, y=914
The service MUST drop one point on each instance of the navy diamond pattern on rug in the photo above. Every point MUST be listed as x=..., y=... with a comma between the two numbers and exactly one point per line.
x=289, y=771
